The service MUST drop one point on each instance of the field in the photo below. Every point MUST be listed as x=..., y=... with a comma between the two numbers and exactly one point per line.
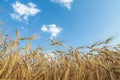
x=98, y=62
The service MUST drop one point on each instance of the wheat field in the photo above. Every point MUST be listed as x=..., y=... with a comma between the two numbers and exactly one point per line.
x=99, y=62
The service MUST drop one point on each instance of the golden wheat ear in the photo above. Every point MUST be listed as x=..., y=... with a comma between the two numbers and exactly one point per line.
x=107, y=41
x=33, y=37
x=17, y=35
x=52, y=42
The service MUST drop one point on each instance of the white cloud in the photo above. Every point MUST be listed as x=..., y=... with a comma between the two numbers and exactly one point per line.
x=44, y=28
x=53, y=29
x=22, y=11
x=65, y=3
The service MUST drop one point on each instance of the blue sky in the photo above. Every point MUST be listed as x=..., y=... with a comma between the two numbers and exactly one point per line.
x=74, y=22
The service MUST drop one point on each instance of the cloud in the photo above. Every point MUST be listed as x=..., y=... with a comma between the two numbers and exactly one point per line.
x=22, y=11
x=65, y=3
x=44, y=28
x=53, y=29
